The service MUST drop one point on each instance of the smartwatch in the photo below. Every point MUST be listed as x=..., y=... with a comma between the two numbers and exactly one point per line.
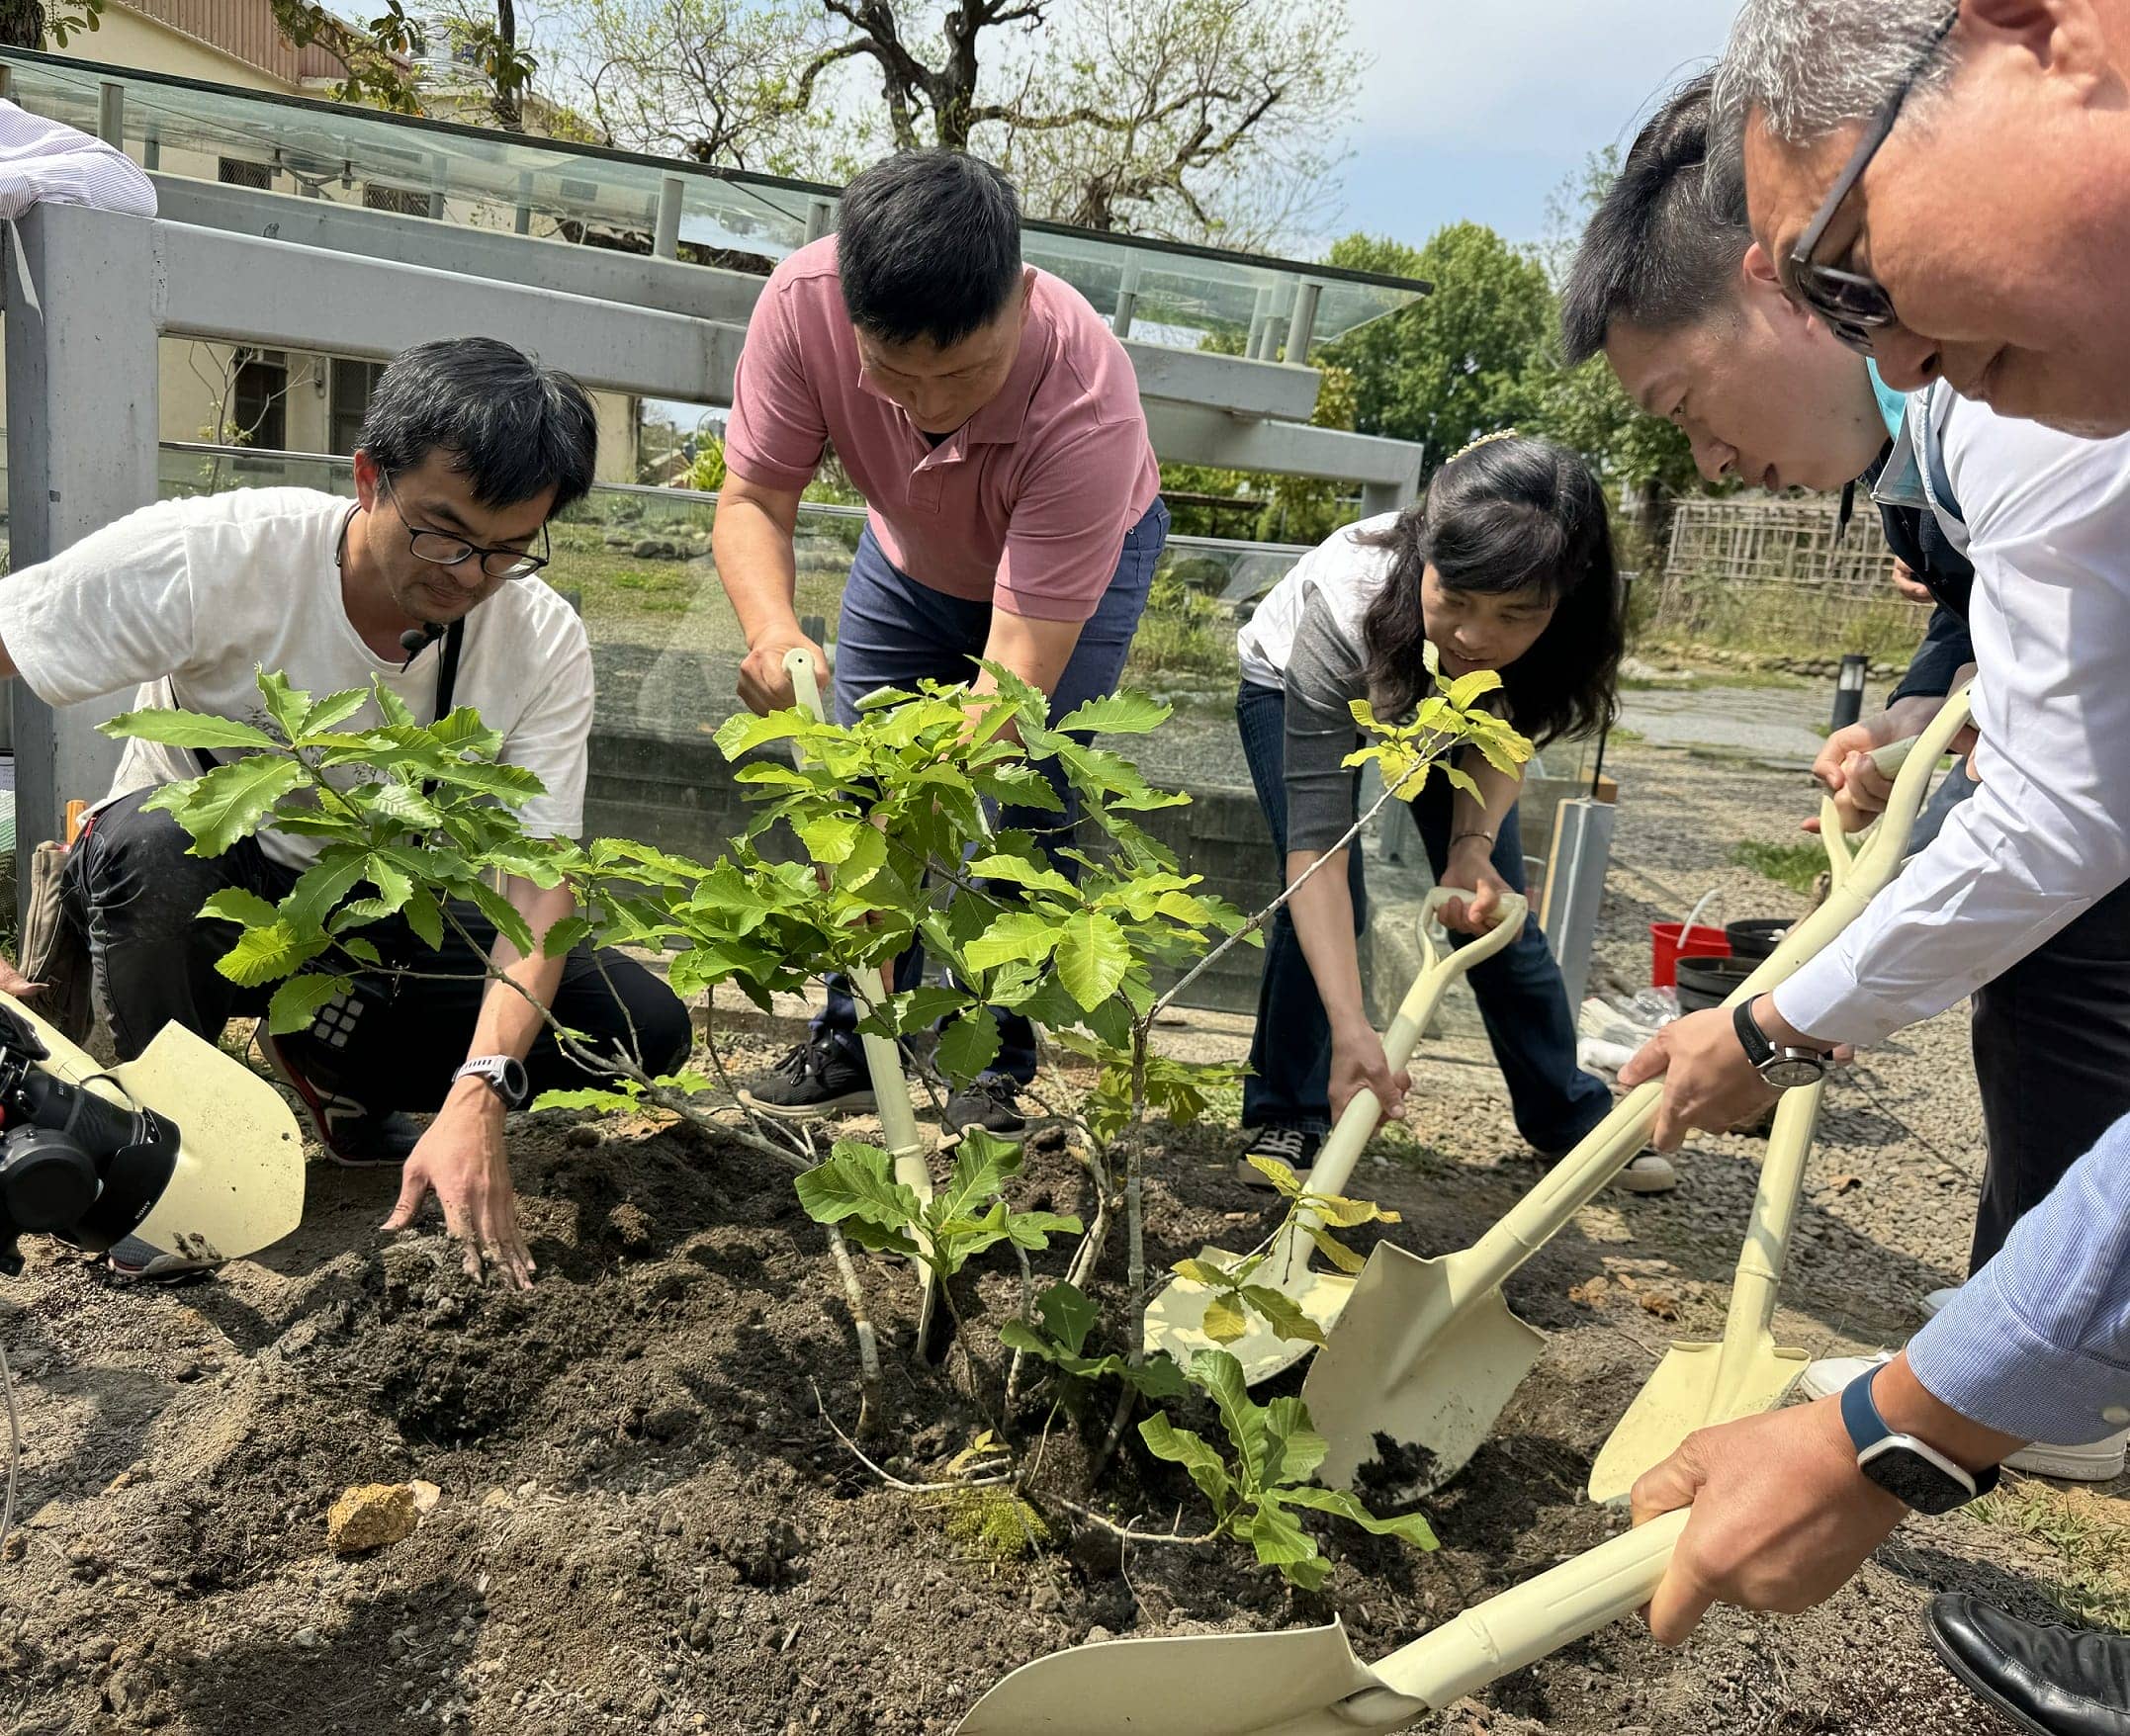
x=1785, y=1068
x=1920, y=1476
x=502, y=1074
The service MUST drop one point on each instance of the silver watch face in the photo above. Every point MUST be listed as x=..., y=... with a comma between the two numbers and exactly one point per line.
x=1790, y=1070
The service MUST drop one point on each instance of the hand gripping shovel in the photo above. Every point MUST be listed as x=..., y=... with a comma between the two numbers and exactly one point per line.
x=1176, y=1318
x=1307, y=1681
x=1698, y=1385
x=883, y=1056
x=1427, y=1355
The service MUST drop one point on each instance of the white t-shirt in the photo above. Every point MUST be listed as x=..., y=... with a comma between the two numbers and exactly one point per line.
x=206, y=591
x=1346, y=572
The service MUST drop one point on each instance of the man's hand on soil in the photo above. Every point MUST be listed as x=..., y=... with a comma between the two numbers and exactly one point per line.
x=462, y=1158
x=1710, y=1084
x=1782, y=1519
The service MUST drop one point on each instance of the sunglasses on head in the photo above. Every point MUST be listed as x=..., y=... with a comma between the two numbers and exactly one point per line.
x=1855, y=306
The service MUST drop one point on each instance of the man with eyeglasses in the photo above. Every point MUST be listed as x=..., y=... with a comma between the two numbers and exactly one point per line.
x=428, y=583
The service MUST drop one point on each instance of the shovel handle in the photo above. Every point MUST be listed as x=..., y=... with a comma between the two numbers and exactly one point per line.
x=1841, y=852
x=1523, y=1624
x=1440, y=967
x=1573, y=1182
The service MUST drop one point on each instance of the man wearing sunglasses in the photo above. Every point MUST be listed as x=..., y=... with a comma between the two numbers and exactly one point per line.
x=428, y=582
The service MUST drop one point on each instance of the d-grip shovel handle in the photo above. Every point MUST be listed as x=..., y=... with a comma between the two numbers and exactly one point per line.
x=1613, y=1143
x=1440, y=967
x=1516, y=1628
x=1841, y=854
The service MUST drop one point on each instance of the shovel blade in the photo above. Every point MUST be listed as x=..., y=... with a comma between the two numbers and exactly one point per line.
x=1413, y=1380
x=1685, y=1394
x=1201, y=1685
x=238, y=1185
x=1175, y=1318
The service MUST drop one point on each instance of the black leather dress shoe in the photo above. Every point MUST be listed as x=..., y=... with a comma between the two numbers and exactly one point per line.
x=2052, y=1681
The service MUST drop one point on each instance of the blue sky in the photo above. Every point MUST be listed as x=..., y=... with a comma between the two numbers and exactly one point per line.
x=1478, y=109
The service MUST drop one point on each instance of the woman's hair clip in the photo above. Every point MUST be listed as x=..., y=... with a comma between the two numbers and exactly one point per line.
x=1483, y=440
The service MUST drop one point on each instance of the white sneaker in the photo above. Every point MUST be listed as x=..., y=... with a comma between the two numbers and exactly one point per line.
x=2101, y=1462
x=1934, y=1304
x=1827, y=1376
x=1651, y=1173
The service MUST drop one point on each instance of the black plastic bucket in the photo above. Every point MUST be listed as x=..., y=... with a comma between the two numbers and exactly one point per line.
x=1756, y=937
x=1708, y=982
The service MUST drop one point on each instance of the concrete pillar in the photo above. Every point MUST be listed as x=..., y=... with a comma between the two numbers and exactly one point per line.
x=665, y=241
x=524, y=212
x=1128, y=299
x=81, y=419
x=110, y=114
x=820, y=218
x=1301, y=328
x=1260, y=316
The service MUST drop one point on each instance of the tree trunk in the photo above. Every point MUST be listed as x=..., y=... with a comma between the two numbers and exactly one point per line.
x=22, y=23
x=509, y=100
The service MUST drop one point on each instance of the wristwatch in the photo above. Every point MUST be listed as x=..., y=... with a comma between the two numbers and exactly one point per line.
x=1922, y=1476
x=501, y=1073
x=1784, y=1067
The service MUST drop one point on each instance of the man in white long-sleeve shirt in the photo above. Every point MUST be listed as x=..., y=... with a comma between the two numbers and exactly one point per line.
x=44, y=162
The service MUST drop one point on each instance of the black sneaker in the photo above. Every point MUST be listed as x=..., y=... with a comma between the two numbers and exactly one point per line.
x=1296, y=1147
x=354, y=1137
x=992, y=1102
x=816, y=1078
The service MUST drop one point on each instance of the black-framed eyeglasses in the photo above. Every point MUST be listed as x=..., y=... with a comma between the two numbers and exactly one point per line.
x=1855, y=306
x=444, y=548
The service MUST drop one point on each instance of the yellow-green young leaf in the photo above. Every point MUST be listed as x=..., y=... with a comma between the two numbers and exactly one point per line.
x=1068, y=1315
x=1017, y=935
x=1282, y=1313
x=296, y=1001
x=512, y=785
x=1225, y=1321
x=230, y=802
x=334, y=708
x=1019, y=871
x=285, y=705
x=1282, y=1544
x=1279, y=1174
x=1205, y=1271
x=868, y=855
x=565, y=935
x=1092, y=958
x=185, y=729
x=858, y=1181
x=591, y=1098
x=235, y=904
x=262, y=955
x=405, y=804
x=1431, y=655
x=1461, y=780
x=1118, y=714
x=1413, y=1528
x=743, y=732
x=1296, y=1448
x=1364, y=713
x=1467, y=690
x=322, y=886
x=1342, y=1213
x=1033, y=1230
x=831, y=837
x=389, y=706
x=1335, y=1251
x=1179, y=1447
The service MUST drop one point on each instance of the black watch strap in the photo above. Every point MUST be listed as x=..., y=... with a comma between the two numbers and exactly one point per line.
x=1758, y=1050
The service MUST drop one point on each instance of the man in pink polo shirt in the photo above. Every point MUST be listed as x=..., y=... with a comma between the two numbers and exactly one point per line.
x=992, y=421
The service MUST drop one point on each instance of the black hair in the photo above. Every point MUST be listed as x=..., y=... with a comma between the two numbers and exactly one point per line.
x=517, y=429
x=1507, y=515
x=928, y=246
x=1664, y=248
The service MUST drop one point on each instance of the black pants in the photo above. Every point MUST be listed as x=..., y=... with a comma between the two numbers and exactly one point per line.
x=154, y=962
x=2051, y=1052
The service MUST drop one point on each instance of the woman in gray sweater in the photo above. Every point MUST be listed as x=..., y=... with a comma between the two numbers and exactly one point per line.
x=1507, y=565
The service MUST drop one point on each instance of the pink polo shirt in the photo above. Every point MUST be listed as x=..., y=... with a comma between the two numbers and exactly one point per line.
x=1025, y=507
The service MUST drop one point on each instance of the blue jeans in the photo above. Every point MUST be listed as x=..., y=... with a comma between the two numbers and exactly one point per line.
x=894, y=632
x=1522, y=1000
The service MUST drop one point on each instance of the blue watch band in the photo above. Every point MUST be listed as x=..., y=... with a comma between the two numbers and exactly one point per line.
x=1861, y=1411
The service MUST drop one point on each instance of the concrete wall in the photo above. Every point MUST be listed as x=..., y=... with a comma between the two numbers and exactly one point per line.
x=125, y=37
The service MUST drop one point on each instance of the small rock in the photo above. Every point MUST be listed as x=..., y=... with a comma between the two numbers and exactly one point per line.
x=370, y=1515
x=98, y=1649
x=307, y=1639
x=1096, y=1636
x=1046, y=1599
x=426, y=1495
x=125, y=1479
x=527, y=1491
x=648, y=1703
x=496, y=1497
x=583, y=1135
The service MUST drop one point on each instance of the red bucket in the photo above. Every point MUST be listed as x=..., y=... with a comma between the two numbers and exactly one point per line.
x=1668, y=944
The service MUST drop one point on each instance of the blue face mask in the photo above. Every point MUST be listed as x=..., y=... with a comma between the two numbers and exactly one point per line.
x=1892, y=405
